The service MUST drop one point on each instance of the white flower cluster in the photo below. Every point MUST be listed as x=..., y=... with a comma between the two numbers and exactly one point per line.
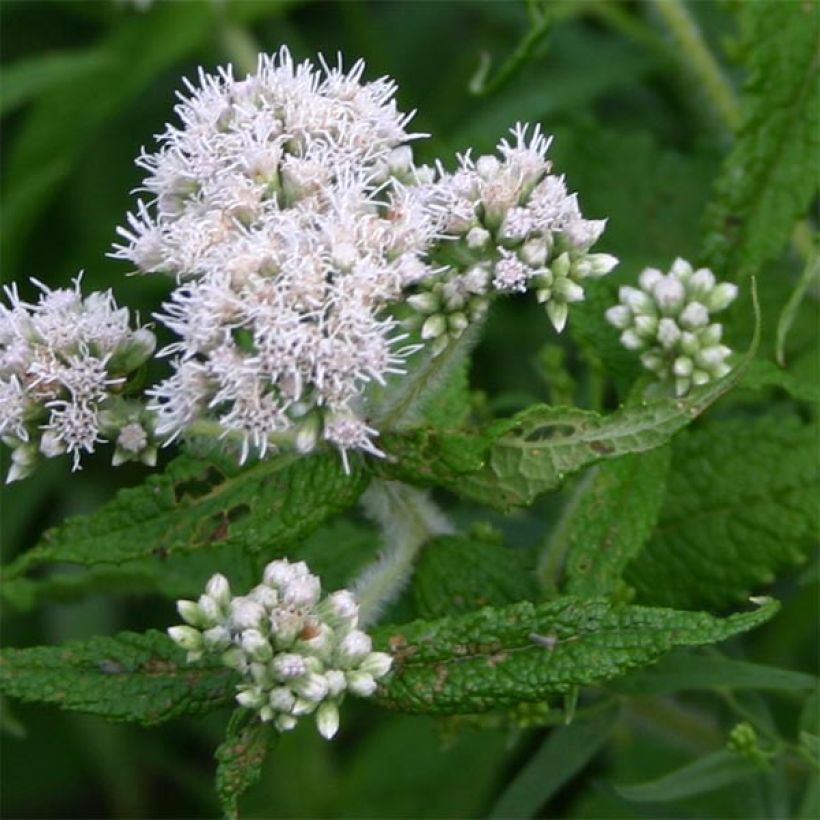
x=279, y=204
x=299, y=655
x=669, y=320
x=64, y=365
x=511, y=226
x=289, y=209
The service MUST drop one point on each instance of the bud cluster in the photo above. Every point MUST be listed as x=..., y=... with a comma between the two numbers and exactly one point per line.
x=668, y=319
x=299, y=655
x=509, y=226
x=65, y=364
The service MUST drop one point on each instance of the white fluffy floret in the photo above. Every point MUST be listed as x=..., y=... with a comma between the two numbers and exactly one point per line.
x=298, y=655
x=668, y=320
x=64, y=363
x=514, y=221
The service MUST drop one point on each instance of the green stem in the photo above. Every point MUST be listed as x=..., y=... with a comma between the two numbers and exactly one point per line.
x=695, y=54
x=550, y=567
x=789, y=312
x=418, y=384
x=408, y=519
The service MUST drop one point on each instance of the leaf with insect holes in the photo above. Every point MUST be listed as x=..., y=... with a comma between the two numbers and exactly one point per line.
x=198, y=503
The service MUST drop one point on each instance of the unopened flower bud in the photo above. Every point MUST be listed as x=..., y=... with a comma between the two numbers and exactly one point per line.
x=308, y=434
x=246, y=614
x=477, y=238
x=434, y=326
x=216, y=638
x=186, y=637
x=190, y=612
x=251, y=697
x=210, y=609
x=327, y=720
x=219, y=590
x=256, y=646
x=311, y=687
x=376, y=664
x=648, y=278
x=534, y=252
x=694, y=315
x=619, y=316
x=354, y=647
x=558, y=313
x=284, y=723
x=281, y=699
x=424, y=302
x=336, y=682
x=361, y=683
x=721, y=297
x=669, y=294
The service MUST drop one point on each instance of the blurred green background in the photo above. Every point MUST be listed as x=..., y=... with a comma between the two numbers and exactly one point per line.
x=86, y=84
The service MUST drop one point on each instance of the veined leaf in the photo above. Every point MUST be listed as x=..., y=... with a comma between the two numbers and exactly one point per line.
x=457, y=574
x=517, y=459
x=496, y=658
x=563, y=754
x=771, y=173
x=197, y=503
x=470, y=663
x=135, y=677
x=741, y=506
x=764, y=373
x=613, y=519
x=680, y=671
x=239, y=759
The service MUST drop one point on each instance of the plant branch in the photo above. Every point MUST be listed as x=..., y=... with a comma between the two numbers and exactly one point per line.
x=696, y=56
x=408, y=519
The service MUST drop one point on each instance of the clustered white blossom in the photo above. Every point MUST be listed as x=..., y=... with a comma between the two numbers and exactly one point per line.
x=669, y=320
x=280, y=205
x=508, y=226
x=65, y=362
x=299, y=655
x=289, y=209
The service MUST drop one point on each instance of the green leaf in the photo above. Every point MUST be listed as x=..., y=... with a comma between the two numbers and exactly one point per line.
x=239, y=759
x=682, y=671
x=714, y=771
x=515, y=460
x=198, y=503
x=764, y=373
x=771, y=174
x=495, y=658
x=470, y=663
x=741, y=506
x=563, y=754
x=613, y=519
x=135, y=677
x=457, y=574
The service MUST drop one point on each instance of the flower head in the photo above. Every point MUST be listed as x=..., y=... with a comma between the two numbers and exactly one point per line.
x=668, y=320
x=278, y=202
x=64, y=363
x=299, y=655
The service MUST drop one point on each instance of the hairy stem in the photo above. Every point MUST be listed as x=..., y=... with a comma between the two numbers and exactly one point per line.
x=408, y=519
x=403, y=406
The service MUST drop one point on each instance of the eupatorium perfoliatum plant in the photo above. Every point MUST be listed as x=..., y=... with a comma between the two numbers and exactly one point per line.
x=325, y=293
